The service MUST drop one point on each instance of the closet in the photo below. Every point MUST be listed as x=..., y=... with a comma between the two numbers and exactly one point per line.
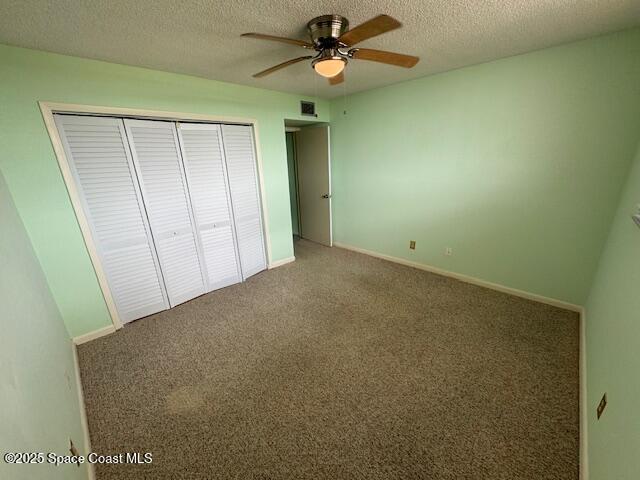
x=173, y=208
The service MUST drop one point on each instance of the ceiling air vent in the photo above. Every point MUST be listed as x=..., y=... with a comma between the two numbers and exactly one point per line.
x=308, y=108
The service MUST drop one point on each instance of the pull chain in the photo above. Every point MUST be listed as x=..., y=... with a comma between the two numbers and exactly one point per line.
x=315, y=87
x=344, y=96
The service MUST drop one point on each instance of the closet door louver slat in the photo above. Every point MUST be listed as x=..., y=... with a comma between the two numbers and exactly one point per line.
x=156, y=155
x=239, y=152
x=205, y=167
x=174, y=209
x=113, y=207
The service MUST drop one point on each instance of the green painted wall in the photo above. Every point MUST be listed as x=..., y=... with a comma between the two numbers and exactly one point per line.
x=293, y=190
x=517, y=164
x=613, y=346
x=32, y=174
x=39, y=410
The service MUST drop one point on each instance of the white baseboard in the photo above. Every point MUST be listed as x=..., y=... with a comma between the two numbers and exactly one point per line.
x=87, y=337
x=279, y=263
x=467, y=279
x=584, y=406
x=91, y=474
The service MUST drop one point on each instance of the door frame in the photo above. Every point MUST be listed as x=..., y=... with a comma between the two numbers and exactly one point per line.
x=293, y=131
x=330, y=185
x=48, y=109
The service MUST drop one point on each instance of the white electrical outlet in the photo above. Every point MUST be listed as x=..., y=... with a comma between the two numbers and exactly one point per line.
x=448, y=251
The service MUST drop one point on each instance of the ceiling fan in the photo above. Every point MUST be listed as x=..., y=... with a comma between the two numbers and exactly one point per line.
x=333, y=41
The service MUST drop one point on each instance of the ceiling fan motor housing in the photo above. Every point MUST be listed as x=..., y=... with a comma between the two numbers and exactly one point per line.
x=326, y=29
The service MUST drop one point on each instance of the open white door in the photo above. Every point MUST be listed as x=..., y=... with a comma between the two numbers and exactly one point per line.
x=314, y=183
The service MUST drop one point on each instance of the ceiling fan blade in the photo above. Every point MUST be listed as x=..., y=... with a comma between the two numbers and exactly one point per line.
x=337, y=79
x=290, y=41
x=370, y=28
x=281, y=65
x=397, y=59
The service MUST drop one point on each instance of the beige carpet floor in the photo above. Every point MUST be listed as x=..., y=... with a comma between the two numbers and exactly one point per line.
x=340, y=366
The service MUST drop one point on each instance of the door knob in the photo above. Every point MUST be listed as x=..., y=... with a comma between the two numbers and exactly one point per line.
x=326, y=195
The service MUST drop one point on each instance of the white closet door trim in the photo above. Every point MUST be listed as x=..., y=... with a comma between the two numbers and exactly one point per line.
x=47, y=110
x=79, y=208
x=264, y=216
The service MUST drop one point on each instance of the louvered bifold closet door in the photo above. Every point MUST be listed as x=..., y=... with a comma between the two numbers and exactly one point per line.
x=245, y=198
x=207, y=179
x=156, y=155
x=98, y=155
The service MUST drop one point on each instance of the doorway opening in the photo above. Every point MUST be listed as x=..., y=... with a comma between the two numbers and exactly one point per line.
x=309, y=168
x=293, y=181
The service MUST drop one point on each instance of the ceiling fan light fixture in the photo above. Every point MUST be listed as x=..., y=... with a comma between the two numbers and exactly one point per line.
x=329, y=66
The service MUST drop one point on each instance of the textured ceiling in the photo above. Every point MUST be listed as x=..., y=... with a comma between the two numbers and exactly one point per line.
x=201, y=37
